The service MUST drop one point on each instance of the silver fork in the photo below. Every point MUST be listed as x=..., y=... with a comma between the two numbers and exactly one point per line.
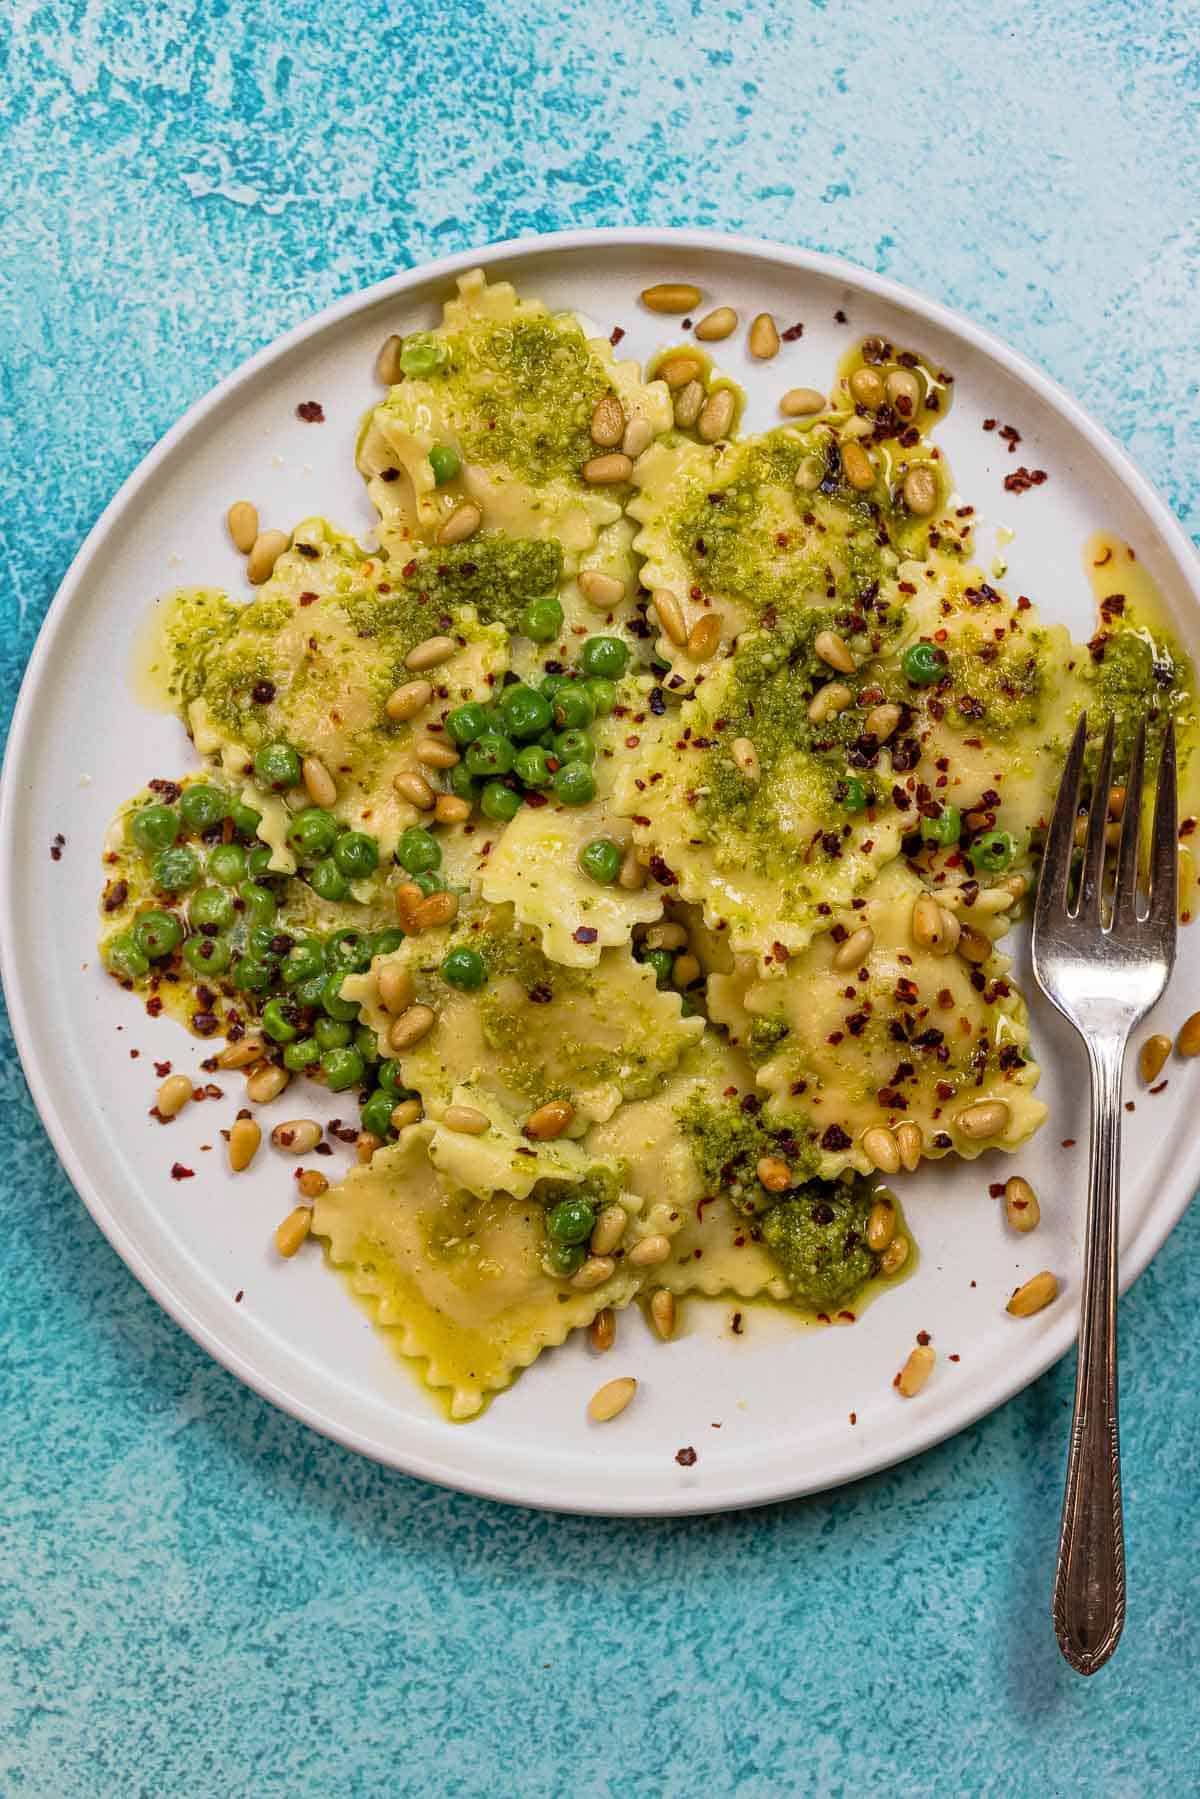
x=1104, y=979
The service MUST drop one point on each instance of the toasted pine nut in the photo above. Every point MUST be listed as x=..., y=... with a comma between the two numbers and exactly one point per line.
x=291, y=1233
x=1152, y=1057
x=717, y=325
x=602, y=1331
x=396, y=992
x=429, y=653
x=1188, y=1041
x=857, y=466
x=973, y=945
x=835, y=651
x=881, y=1149
x=173, y=1095
x=801, y=402
x=920, y=491
x=415, y=789
x=411, y=1026
x=438, y=909
x=435, y=752
x=408, y=700
x=671, y=296
x=855, y=949
x=242, y=520
x=244, y=1139
x=881, y=1225
x=810, y=474
x=639, y=433
x=607, y=470
x=1021, y=1204
x=312, y=1183
x=265, y=552
x=1036, y=1293
x=678, y=370
x=904, y=391
x=593, y=1273
x=774, y=1173
x=834, y=697
x=463, y=522
x=685, y=971
x=746, y=757
x=632, y=877
x=986, y=1118
x=406, y=1113
x=881, y=721
x=319, y=784
x=449, y=809
x=933, y=928
x=297, y=1136
x=916, y=1370
x=467, y=1119
x=763, y=338
x=611, y=1399
x=716, y=416
x=608, y=1231
x=866, y=386
x=408, y=897
x=649, y=1252
x=670, y=615
x=365, y=1145
x=894, y=1256
x=1116, y=802
x=854, y=428
x=242, y=1053
x=608, y=422
x=266, y=1083
x=704, y=637
x=387, y=363
x=688, y=403
x=662, y=1313
x=550, y=1120
x=600, y=590
x=666, y=936
x=910, y=1139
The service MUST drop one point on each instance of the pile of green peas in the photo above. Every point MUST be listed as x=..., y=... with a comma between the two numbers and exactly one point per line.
x=569, y=1225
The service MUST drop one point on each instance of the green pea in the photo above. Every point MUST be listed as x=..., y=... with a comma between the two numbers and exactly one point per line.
x=154, y=828
x=202, y=807
x=227, y=864
x=566, y=1258
x=525, y=712
x=308, y=993
x=945, y=829
x=662, y=962
x=303, y=962
x=463, y=968
x=852, y=794
x=550, y=684
x=421, y=354
x=601, y=859
x=343, y=1068
x=251, y=975
x=125, y=959
x=246, y=820
x=444, y=463
x=463, y=783
x=923, y=664
x=602, y=693
x=573, y=708
x=356, y=855
x=207, y=955
x=349, y=951
x=428, y=881
x=331, y=998
x=377, y=1113
x=418, y=850
x=575, y=784
x=301, y=1054
x=391, y=1082
x=490, y=755
x=211, y=906
x=258, y=860
x=281, y=1021
x=541, y=620
x=570, y=1221
x=468, y=722
x=327, y=880
x=176, y=869
x=574, y=746
x=276, y=765
x=258, y=904
x=261, y=941
x=993, y=852
x=499, y=802
x=312, y=833
x=605, y=656
x=384, y=942
x=531, y=767
x=332, y=1033
x=366, y=1045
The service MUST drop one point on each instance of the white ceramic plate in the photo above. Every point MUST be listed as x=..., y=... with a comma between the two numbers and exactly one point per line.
x=781, y=1396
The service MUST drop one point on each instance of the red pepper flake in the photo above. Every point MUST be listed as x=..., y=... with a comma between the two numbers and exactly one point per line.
x=996, y=1190
x=839, y=317
x=154, y=1005
x=686, y=1457
x=923, y=1338
x=956, y=1358
x=1022, y=479
x=1105, y=559
x=665, y=876
x=1068, y=1142
x=56, y=848
x=1129, y=1106
x=735, y=1324
x=311, y=411
x=989, y=424
x=115, y=896
x=1159, y=1088
x=1187, y=828
x=631, y=743
x=615, y=335
x=180, y=1173
x=1011, y=436
x=793, y=334
x=585, y=933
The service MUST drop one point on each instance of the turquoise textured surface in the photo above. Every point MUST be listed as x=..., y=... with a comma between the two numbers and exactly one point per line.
x=198, y=1596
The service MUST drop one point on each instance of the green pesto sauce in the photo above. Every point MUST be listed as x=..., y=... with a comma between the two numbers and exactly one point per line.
x=1136, y=675
x=1009, y=685
x=766, y=1034
x=601, y=1186
x=818, y=1238
x=525, y=392
x=497, y=575
x=727, y=1143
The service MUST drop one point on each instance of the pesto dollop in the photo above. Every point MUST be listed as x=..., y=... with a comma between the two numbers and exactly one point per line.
x=818, y=1237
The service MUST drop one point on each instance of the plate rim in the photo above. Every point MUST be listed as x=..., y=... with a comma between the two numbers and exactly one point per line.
x=503, y=1485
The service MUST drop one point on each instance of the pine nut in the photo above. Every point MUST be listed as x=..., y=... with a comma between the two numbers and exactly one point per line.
x=1116, y=802
x=312, y=1183
x=881, y=1225
x=763, y=340
x=854, y=428
x=430, y=653
x=881, y=721
x=448, y=809
x=265, y=552
x=608, y=1231
x=666, y=936
x=857, y=467
x=904, y=392
x=438, y=909
x=396, y=992
x=266, y=1083
x=801, y=402
x=291, y=1233
x=856, y=948
x=244, y=1139
x=387, y=364
x=933, y=928
x=602, y=1331
x=173, y=1096
x=686, y=971
x=600, y=590
x=319, y=784
x=463, y=522
x=973, y=945
x=1034, y=1296
x=746, y=757
x=594, y=1272
x=649, y=1252
x=607, y=471
x=717, y=416
x=406, y=1113
x=910, y=1140
x=986, y=1118
x=242, y=520
x=662, y=1313
x=632, y=877
x=435, y=752
x=688, y=403
x=867, y=388
x=411, y=1026
x=408, y=897
x=894, y=1256
x=774, y=1173
x=639, y=433
x=671, y=296
x=881, y=1149
x=242, y=1053
x=717, y=325
x=670, y=615
x=1188, y=1041
x=608, y=422
x=916, y=1370
x=678, y=370
x=1152, y=1057
x=365, y=1145
x=550, y=1120
x=1016, y=885
x=920, y=491
x=415, y=789
x=810, y=474
x=835, y=651
x=704, y=637
x=1021, y=1204
x=469, y=1120
x=834, y=697
x=611, y=1399
x=297, y=1136
x=408, y=700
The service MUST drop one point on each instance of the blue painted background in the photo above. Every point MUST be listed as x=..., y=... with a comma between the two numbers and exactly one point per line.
x=197, y=1597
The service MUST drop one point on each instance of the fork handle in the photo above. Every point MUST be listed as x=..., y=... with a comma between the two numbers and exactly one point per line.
x=1089, y=1581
